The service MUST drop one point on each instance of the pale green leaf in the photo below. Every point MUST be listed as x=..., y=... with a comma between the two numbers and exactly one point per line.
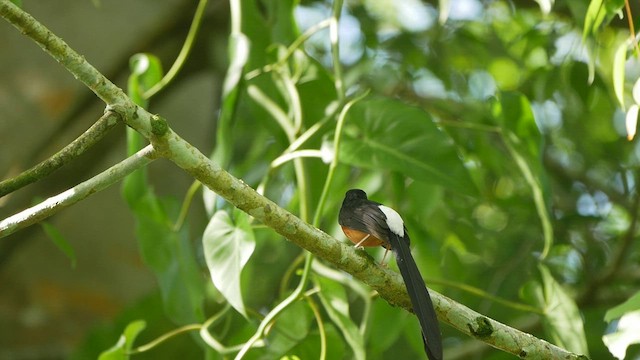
x=618, y=72
x=632, y=304
x=228, y=245
x=121, y=349
x=626, y=334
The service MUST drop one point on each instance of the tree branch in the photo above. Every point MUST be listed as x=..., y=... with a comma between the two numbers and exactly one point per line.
x=168, y=144
x=78, y=146
x=79, y=192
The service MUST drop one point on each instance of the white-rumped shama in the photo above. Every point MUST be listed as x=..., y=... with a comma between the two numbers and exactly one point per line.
x=368, y=223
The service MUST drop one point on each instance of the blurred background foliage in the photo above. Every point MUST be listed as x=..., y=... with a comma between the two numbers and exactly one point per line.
x=497, y=128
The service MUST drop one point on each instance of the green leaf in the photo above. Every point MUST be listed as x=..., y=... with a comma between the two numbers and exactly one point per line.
x=17, y=3
x=524, y=142
x=631, y=305
x=514, y=113
x=381, y=338
x=170, y=256
x=228, y=245
x=600, y=13
x=291, y=329
x=562, y=320
x=619, y=60
x=444, y=6
x=60, y=241
x=594, y=17
x=387, y=134
x=627, y=333
x=334, y=300
x=121, y=349
x=146, y=71
x=309, y=348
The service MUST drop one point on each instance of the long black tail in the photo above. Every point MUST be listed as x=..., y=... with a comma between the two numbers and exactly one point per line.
x=420, y=299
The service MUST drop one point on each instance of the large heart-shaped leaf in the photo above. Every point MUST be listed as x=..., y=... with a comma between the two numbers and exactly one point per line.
x=387, y=134
x=228, y=245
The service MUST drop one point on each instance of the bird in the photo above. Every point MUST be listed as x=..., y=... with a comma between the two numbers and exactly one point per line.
x=369, y=223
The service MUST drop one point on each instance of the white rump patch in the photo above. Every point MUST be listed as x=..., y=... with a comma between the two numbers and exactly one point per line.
x=394, y=221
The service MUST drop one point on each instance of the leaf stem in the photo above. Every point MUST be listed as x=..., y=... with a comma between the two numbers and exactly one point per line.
x=184, y=52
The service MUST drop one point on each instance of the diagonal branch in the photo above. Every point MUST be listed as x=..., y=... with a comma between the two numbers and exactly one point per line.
x=79, y=192
x=168, y=144
x=78, y=146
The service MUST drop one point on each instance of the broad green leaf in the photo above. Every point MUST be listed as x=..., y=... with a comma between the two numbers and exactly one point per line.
x=335, y=302
x=562, y=320
x=60, y=241
x=381, y=338
x=619, y=60
x=389, y=135
x=290, y=329
x=121, y=349
x=170, y=256
x=310, y=347
x=18, y=3
x=631, y=305
x=627, y=333
x=228, y=245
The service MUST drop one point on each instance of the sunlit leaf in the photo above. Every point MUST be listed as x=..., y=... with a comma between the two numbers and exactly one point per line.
x=385, y=134
x=618, y=72
x=443, y=10
x=632, y=304
x=121, y=349
x=545, y=5
x=631, y=121
x=625, y=318
x=228, y=245
x=627, y=333
x=636, y=91
x=593, y=19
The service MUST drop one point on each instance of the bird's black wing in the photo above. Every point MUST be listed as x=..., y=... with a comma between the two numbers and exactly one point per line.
x=367, y=217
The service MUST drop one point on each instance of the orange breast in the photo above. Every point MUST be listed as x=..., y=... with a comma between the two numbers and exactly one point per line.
x=356, y=236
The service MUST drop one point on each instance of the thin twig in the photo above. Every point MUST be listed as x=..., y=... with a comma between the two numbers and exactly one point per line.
x=72, y=151
x=79, y=192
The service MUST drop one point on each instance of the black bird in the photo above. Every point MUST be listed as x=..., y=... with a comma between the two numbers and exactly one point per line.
x=368, y=223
